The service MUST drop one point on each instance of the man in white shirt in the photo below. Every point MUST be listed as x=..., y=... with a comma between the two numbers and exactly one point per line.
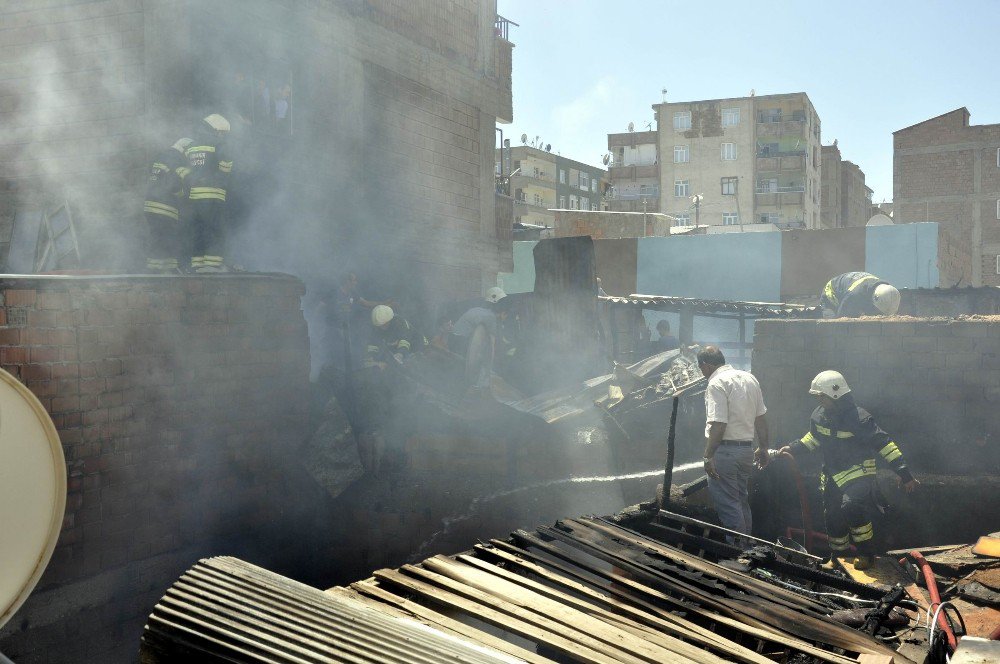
x=734, y=412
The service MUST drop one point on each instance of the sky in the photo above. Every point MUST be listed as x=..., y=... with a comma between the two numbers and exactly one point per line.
x=583, y=68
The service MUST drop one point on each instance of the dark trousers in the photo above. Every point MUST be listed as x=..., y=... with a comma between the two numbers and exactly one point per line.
x=208, y=227
x=849, y=512
x=164, y=241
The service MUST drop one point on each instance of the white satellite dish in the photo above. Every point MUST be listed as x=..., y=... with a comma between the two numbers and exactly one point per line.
x=606, y=158
x=32, y=492
x=879, y=220
x=524, y=139
x=631, y=126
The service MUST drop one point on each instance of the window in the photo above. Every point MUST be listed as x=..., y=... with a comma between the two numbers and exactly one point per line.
x=730, y=117
x=538, y=199
x=534, y=172
x=562, y=202
x=573, y=203
x=767, y=149
x=584, y=203
x=770, y=115
x=593, y=206
x=728, y=151
x=728, y=186
x=584, y=182
x=682, y=154
x=593, y=185
x=998, y=264
x=684, y=219
x=681, y=187
x=498, y=171
x=768, y=218
x=682, y=121
x=562, y=176
x=730, y=219
x=647, y=190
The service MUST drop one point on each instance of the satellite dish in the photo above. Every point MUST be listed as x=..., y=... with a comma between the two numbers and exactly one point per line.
x=879, y=220
x=506, y=142
x=548, y=147
x=524, y=139
x=631, y=126
x=32, y=492
x=606, y=159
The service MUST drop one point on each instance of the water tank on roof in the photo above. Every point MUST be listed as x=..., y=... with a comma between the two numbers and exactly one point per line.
x=32, y=492
x=879, y=220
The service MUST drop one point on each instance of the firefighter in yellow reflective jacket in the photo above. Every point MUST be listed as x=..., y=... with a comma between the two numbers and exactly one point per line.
x=210, y=168
x=164, y=193
x=859, y=294
x=850, y=441
x=392, y=338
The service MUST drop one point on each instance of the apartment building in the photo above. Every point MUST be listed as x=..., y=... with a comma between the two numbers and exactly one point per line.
x=737, y=161
x=543, y=181
x=946, y=170
x=634, y=176
x=845, y=199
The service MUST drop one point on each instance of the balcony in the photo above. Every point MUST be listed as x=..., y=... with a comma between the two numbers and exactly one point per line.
x=617, y=173
x=502, y=67
x=779, y=118
x=503, y=219
x=543, y=180
x=783, y=128
x=775, y=199
x=774, y=163
x=772, y=189
x=618, y=205
x=631, y=139
x=649, y=193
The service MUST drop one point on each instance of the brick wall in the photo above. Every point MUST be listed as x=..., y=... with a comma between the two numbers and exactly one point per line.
x=179, y=402
x=610, y=225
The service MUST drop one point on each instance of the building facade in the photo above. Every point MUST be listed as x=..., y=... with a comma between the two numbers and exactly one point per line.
x=946, y=170
x=541, y=181
x=845, y=199
x=740, y=161
x=634, y=175
x=362, y=133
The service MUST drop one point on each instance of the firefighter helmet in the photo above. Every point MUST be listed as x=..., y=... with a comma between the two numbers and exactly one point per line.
x=217, y=122
x=495, y=294
x=381, y=315
x=830, y=383
x=886, y=299
x=182, y=144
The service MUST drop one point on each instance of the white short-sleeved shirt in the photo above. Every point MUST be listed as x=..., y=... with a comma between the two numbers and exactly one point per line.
x=734, y=398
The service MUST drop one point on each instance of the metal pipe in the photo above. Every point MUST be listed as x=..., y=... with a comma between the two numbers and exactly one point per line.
x=668, y=468
x=932, y=589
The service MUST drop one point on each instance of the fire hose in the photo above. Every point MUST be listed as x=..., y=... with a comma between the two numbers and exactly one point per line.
x=932, y=589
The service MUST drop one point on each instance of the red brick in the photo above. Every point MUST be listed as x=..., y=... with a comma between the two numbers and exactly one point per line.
x=41, y=354
x=10, y=336
x=65, y=404
x=18, y=355
x=35, y=372
x=3, y=316
x=65, y=371
x=19, y=298
x=49, y=300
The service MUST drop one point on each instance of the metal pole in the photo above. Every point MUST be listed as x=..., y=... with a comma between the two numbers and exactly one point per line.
x=668, y=468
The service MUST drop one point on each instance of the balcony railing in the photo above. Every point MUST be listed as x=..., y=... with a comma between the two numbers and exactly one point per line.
x=649, y=193
x=768, y=189
x=781, y=153
x=501, y=27
x=768, y=118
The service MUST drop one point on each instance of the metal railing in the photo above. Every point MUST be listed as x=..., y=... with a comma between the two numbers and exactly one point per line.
x=651, y=193
x=780, y=153
x=766, y=118
x=501, y=27
x=768, y=189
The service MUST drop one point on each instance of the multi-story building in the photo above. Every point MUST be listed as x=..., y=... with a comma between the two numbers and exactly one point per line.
x=946, y=170
x=542, y=181
x=634, y=175
x=740, y=161
x=845, y=199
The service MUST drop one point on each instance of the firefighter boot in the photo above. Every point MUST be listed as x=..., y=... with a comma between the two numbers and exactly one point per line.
x=831, y=564
x=863, y=563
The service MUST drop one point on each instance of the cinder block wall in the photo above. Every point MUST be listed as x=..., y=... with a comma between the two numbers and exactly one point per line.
x=178, y=401
x=934, y=384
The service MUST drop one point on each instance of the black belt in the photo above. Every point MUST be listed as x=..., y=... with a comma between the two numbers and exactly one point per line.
x=738, y=443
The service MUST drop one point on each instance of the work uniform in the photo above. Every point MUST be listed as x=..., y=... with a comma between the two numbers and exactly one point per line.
x=850, y=441
x=851, y=294
x=164, y=193
x=397, y=338
x=210, y=169
x=480, y=365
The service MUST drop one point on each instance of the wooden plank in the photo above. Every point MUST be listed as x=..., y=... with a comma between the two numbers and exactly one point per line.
x=760, y=631
x=571, y=617
x=526, y=629
x=799, y=623
x=440, y=621
x=649, y=615
x=592, y=641
x=595, y=604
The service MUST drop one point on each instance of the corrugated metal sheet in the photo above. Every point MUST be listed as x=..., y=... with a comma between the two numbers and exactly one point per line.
x=751, y=309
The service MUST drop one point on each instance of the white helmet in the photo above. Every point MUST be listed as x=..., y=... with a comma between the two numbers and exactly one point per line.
x=886, y=299
x=495, y=294
x=217, y=122
x=381, y=315
x=182, y=145
x=830, y=383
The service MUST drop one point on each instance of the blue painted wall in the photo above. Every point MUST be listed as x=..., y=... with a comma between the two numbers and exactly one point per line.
x=731, y=266
x=905, y=255
x=522, y=279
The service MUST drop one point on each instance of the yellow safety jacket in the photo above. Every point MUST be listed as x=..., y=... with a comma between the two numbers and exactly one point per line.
x=850, y=442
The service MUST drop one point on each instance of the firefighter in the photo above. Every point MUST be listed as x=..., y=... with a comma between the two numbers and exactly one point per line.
x=164, y=193
x=210, y=168
x=850, y=440
x=858, y=294
x=392, y=338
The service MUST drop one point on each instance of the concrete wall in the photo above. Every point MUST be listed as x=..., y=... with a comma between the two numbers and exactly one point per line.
x=179, y=403
x=809, y=258
x=905, y=254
